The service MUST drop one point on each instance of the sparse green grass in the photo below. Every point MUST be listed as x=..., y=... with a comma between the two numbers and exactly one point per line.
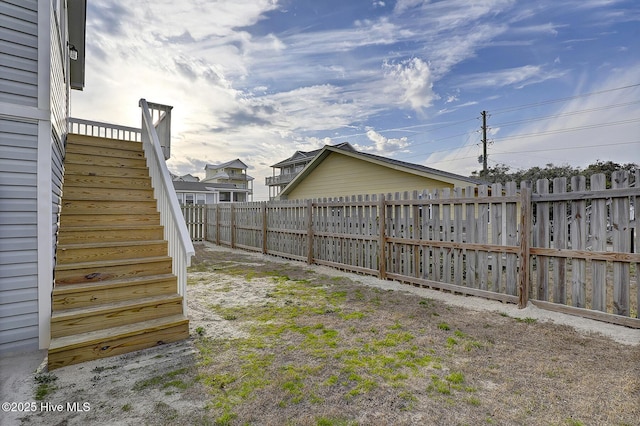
x=444, y=326
x=527, y=320
x=165, y=381
x=45, y=386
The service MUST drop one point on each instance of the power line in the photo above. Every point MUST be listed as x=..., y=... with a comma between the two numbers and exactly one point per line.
x=528, y=151
x=551, y=101
x=565, y=148
x=569, y=129
x=565, y=114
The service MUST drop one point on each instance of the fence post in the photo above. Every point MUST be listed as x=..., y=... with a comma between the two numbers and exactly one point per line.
x=525, y=244
x=382, y=239
x=204, y=222
x=309, y=231
x=233, y=225
x=264, y=227
x=217, y=224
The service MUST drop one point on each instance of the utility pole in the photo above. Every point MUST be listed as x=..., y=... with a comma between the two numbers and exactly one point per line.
x=484, y=143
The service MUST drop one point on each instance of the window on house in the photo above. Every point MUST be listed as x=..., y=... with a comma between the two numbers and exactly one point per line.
x=188, y=198
x=201, y=198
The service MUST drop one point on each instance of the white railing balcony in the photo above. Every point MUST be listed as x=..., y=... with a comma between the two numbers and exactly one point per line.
x=280, y=179
x=79, y=126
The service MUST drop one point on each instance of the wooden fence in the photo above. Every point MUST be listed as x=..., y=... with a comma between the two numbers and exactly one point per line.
x=567, y=251
x=195, y=215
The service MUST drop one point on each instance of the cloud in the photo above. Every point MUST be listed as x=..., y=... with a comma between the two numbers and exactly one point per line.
x=107, y=17
x=383, y=145
x=404, y=5
x=411, y=80
x=519, y=77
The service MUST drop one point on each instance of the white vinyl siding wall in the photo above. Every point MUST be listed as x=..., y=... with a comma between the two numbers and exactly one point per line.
x=18, y=236
x=33, y=112
x=19, y=317
x=19, y=52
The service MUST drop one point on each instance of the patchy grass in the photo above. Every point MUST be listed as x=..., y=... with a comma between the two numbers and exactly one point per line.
x=46, y=385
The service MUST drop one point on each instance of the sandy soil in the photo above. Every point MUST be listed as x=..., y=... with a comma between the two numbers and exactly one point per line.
x=164, y=385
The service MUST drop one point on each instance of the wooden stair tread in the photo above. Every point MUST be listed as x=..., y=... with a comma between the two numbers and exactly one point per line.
x=86, y=228
x=61, y=344
x=117, y=283
x=113, y=307
x=102, y=263
x=98, y=141
x=69, y=246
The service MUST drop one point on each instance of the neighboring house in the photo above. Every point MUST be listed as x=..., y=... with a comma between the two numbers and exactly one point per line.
x=289, y=168
x=38, y=38
x=208, y=193
x=342, y=171
x=230, y=180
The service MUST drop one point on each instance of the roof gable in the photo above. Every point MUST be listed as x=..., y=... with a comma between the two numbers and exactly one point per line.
x=236, y=164
x=300, y=156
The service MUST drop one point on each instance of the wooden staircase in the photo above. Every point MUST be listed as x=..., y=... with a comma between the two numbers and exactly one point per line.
x=114, y=289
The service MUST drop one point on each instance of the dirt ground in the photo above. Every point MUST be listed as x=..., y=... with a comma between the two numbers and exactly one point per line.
x=277, y=342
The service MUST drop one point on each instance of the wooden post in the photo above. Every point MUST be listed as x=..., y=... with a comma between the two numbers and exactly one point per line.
x=309, y=232
x=382, y=239
x=263, y=206
x=233, y=225
x=204, y=222
x=525, y=235
x=217, y=224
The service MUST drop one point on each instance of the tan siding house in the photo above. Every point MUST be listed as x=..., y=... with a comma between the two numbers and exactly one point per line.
x=336, y=172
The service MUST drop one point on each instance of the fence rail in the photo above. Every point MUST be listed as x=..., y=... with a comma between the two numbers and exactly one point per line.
x=567, y=251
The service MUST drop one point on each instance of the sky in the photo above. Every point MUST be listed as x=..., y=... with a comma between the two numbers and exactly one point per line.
x=408, y=79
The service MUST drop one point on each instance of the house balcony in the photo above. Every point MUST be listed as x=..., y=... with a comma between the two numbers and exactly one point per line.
x=280, y=179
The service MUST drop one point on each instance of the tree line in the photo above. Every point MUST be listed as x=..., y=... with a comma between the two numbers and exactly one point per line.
x=501, y=173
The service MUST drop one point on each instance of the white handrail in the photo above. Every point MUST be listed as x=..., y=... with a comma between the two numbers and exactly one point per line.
x=175, y=229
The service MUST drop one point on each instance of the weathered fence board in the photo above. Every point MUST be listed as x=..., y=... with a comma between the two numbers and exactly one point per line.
x=578, y=242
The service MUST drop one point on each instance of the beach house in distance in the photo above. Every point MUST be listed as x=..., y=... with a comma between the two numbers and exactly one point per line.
x=341, y=170
x=93, y=245
x=223, y=183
